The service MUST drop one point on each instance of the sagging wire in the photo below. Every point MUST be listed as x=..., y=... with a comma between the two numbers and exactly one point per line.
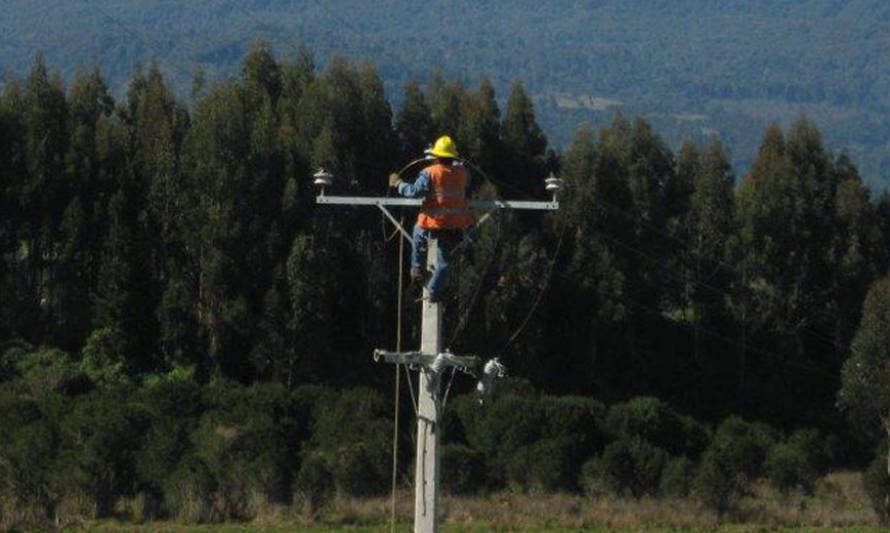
x=541, y=292
x=395, y=434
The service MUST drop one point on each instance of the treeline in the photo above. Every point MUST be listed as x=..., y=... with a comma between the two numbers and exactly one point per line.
x=145, y=242
x=171, y=448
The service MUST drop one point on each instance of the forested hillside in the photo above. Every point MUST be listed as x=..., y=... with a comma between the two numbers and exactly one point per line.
x=183, y=324
x=691, y=67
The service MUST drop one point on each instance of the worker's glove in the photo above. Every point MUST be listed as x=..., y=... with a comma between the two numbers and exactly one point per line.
x=394, y=180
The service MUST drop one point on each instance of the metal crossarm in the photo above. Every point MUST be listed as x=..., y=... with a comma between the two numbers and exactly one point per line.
x=415, y=202
x=426, y=359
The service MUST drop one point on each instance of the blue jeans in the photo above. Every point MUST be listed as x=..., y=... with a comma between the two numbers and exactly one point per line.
x=447, y=240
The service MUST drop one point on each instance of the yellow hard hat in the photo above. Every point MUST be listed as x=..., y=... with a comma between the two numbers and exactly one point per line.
x=444, y=147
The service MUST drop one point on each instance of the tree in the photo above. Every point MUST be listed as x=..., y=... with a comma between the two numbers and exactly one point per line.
x=446, y=104
x=44, y=195
x=414, y=121
x=865, y=378
x=14, y=312
x=159, y=212
x=524, y=144
x=478, y=134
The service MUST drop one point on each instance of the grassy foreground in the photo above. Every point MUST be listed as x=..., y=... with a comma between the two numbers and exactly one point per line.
x=838, y=504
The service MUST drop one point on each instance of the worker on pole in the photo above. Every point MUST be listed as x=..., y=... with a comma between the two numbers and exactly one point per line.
x=444, y=213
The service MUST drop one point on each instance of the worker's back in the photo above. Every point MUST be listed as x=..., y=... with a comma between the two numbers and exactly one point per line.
x=446, y=205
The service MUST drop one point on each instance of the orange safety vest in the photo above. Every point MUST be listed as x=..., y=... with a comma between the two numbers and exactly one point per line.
x=446, y=205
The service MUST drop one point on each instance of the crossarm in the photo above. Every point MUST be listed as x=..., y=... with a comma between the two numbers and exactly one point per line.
x=425, y=359
x=415, y=202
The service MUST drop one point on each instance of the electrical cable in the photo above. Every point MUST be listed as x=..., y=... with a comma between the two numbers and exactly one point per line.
x=680, y=278
x=539, y=297
x=395, y=435
x=712, y=333
x=623, y=212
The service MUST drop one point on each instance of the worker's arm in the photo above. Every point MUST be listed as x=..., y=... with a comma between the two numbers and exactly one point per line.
x=419, y=188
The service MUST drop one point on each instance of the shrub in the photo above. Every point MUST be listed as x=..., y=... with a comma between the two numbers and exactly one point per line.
x=676, y=478
x=821, y=451
x=49, y=370
x=577, y=421
x=102, y=360
x=463, y=469
x=27, y=466
x=797, y=463
x=877, y=485
x=189, y=491
x=171, y=411
x=655, y=421
x=313, y=484
x=99, y=437
x=629, y=466
x=788, y=468
x=503, y=425
x=542, y=466
x=352, y=431
x=717, y=483
x=744, y=445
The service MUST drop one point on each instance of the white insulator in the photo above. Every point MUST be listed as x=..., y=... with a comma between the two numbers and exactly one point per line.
x=552, y=183
x=493, y=369
x=323, y=178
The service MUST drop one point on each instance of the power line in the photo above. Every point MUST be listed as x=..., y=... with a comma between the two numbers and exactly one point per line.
x=680, y=278
x=727, y=340
x=730, y=268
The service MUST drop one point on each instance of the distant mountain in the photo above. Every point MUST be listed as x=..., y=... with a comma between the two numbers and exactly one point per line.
x=692, y=67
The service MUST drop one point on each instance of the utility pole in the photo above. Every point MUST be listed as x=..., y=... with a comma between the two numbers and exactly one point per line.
x=430, y=361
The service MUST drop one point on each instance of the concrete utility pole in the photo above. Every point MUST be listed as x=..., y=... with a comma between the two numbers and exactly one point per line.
x=430, y=360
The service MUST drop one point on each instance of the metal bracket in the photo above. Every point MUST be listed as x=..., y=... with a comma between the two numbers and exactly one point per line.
x=395, y=222
x=415, y=202
x=434, y=362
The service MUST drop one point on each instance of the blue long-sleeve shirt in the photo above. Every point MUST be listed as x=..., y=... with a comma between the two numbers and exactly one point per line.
x=420, y=187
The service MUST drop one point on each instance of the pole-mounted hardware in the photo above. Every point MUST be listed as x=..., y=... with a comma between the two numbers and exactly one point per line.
x=323, y=179
x=431, y=361
x=553, y=185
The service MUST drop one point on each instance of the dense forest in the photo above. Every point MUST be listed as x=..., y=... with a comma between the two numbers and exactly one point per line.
x=182, y=323
x=691, y=67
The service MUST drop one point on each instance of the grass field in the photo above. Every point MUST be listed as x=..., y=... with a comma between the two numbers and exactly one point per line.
x=838, y=504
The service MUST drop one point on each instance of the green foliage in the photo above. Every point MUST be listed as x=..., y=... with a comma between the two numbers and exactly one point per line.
x=463, y=469
x=100, y=436
x=100, y=361
x=742, y=446
x=876, y=480
x=47, y=370
x=788, y=468
x=173, y=247
x=864, y=393
x=172, y=408
x=655, y=421
x=360, y=465
x=798, y=462
x=718, y=483
x=677, y=477
x=314, y=483
x=628, y=467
